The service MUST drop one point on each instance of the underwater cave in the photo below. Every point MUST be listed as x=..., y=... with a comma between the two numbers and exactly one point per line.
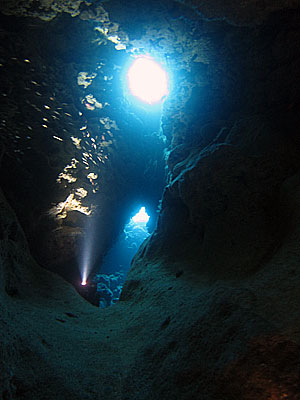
x=150, y=200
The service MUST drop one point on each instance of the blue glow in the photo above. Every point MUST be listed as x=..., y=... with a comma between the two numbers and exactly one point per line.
x=116, y=263
x=147, y=80
x=141, y=217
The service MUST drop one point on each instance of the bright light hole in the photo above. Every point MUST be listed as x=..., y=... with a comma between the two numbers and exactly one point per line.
x=141, y=217
x=147, y=80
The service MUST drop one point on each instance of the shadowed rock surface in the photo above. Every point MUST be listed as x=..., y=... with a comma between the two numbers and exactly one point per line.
x=210, y=307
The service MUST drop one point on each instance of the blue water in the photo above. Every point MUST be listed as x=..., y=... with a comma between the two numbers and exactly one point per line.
x=116, y=263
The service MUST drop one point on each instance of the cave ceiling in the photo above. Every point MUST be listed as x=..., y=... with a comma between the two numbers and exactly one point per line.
x=235, y=11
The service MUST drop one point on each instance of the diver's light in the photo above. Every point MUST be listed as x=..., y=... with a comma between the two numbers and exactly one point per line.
x=147, y=80
x=141, y=217
x=84, y=276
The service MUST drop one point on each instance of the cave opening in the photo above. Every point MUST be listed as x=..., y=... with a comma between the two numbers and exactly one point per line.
x=112, y=273
x=129, y=98
x=147, y=80
x=102, y=283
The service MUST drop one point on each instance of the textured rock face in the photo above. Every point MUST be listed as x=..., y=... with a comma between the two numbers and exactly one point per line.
x=210, y=309
x=243, y=13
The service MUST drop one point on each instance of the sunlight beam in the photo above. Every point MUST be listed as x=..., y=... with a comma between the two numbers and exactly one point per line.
x=147, y=80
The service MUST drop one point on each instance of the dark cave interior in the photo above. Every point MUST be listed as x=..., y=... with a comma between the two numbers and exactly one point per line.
x=210, y=304
x=72, y=139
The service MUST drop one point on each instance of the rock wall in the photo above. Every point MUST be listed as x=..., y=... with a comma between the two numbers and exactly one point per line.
x=225, y=252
